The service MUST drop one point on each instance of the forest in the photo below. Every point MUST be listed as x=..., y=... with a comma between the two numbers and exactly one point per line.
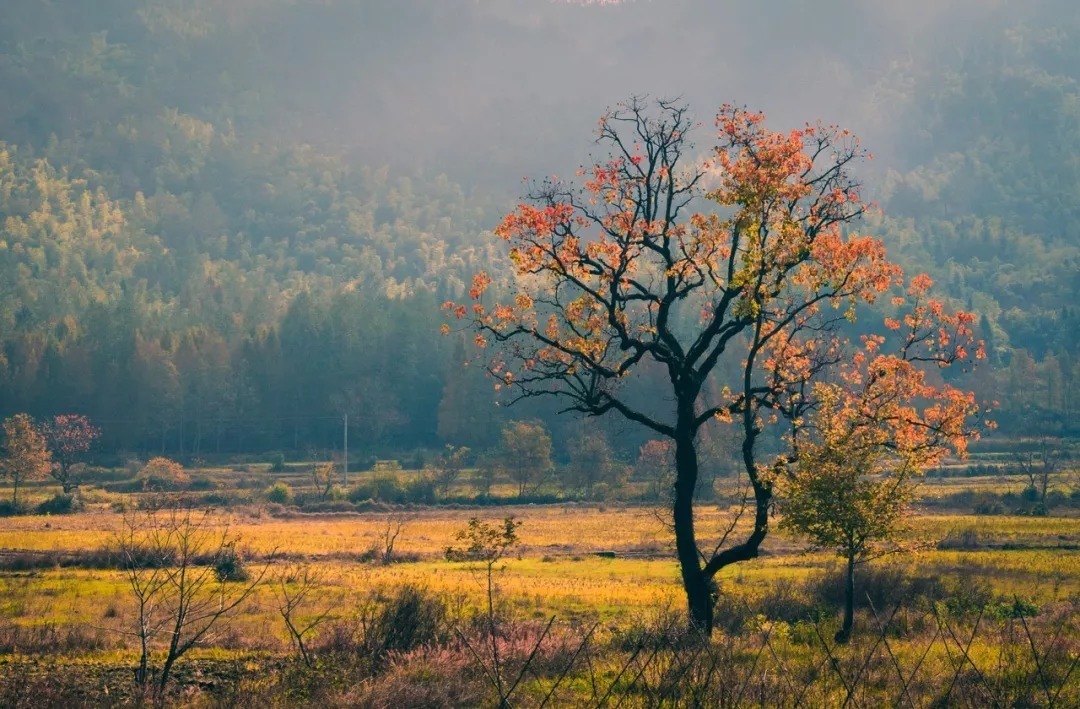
x=200, y=274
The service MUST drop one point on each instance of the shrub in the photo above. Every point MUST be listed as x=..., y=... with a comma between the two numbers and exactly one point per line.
x=229, y=565
x=886, y=586
x=275, y=509
x=420, y=490
x=96, y=474
x=277, y=463
x=329, y=506
x=163, y=474
x=786, y=601
x=279, y=493
x=123, y=486
x=202, y=483
x=425, y=677
x=411, y=618
x=1016, y=608
x=968, y=597
x=668, y=628
x=219, y=499
x=60, y=504
x=382, y=487
x=987, y=503
x=9, y=509
x=1057, y=498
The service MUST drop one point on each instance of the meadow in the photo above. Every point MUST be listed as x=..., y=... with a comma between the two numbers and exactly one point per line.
x=605, y=573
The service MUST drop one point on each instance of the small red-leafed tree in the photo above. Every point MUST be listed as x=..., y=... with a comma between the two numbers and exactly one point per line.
x=70, y=437
x=620, y=276
x=656, y=463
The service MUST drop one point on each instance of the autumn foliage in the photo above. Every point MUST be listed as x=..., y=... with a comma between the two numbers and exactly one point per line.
x=69, y=437
x=163, y=474
x=736, y=279
x=26, y=455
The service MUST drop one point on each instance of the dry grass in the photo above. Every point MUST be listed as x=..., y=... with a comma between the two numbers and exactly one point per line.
x=582, y=563
x=556, y=569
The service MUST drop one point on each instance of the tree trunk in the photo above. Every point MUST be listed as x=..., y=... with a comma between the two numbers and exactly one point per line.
x=695, y=582
x=66, y=483
x=762, y=501
x=142, y=674
x=15, y=494
x=844, y=634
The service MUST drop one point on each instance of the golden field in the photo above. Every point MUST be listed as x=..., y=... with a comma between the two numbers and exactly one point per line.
x=608, y=567
x=554, y=570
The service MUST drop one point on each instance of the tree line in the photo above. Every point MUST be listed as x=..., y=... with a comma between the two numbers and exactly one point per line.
x=172, y=272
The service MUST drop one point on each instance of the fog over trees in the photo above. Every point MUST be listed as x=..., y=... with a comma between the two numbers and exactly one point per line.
x=227, y=224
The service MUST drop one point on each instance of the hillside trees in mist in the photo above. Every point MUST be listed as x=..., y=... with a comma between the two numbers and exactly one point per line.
x=172, y=179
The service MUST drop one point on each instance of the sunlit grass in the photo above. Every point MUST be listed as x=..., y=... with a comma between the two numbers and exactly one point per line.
x=556, y=570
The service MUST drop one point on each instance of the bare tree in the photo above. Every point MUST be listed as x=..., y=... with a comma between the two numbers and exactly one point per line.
x=323, y=477
x=1038, y=461
x=295, y=585
x=486, y=544
x=450, y=466
x=392, y=528
x=170, y=555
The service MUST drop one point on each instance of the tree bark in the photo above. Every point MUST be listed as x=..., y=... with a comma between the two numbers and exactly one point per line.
x=66, y=483
x=750, y=548
x=844, y=634
x=695, y=582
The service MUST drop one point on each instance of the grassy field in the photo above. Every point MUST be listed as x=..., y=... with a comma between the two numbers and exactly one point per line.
x=584, y=564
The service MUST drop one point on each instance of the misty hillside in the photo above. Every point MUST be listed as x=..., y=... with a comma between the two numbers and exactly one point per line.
x=247, y=212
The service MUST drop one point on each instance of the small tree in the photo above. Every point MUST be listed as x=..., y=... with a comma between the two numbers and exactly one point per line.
x=1038, y=461
x=449, y=467
x=26, y=454
x=592, y=463
x=295, y=585
x=488, y=544
x=70, y=437
x=484, y=542
x=393, y=526
x=526, y=448
x=322, y=478
x=487, y=470
x=656, y=464
x=846, y=496
x=169, y=556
